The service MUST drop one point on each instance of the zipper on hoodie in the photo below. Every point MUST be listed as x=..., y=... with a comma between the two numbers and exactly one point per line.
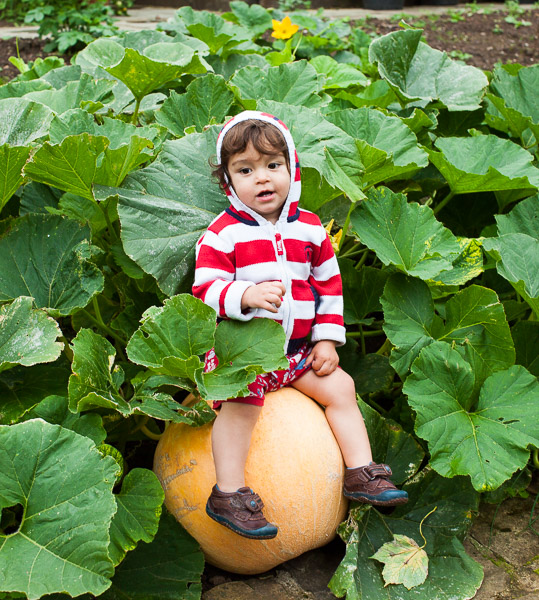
x=286, y=306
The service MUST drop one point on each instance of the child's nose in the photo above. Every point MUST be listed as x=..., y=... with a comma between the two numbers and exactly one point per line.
x=262, y=175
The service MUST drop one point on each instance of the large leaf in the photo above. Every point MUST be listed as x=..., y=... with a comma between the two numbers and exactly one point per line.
x=45, y=256
x=65, y=486
x=85, y=89
x=361, y=291
x=95, y=380
x=27, y=336
x=171, y=337
x=22, y=388
x=169, y=568
x=206, y=100
x=166, y=207
x=255, y=18
x=474, y=320
x=294, y=83
x=387, y=146
x=55, y=410
x=12, y=160
x=518, y=262
x=137, y=518
x=220, y=36
x=338, y=75
x=80, y=161
x=526, y=337
x=22, y=121
x=404, y=234
x=513, y=104
x=485, y=163
x=244, y=350
x=524, y=218
x=452, y=573
x=417, y=72
x=488, y=440
x=159, y=63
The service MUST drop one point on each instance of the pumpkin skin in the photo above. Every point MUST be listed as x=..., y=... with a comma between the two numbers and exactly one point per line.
x=294, y=464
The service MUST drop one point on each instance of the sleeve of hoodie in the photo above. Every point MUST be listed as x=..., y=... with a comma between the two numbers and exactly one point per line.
x=326, y=280
x=214, y=283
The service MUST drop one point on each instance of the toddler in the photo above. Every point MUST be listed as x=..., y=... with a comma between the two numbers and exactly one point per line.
x=265, y=257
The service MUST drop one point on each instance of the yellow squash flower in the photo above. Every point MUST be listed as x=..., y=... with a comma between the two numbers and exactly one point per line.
x=283, y=30
x=334, y=239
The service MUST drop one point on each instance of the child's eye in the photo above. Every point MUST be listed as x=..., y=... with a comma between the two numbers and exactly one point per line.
x=245, y=171
x=274, y=165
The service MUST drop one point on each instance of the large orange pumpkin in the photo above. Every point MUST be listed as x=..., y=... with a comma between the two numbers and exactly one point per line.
x=295, y=465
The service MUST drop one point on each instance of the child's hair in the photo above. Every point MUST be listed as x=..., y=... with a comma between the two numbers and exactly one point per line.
x=266, y=139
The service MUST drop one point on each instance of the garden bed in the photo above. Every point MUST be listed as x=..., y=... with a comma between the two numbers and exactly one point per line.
x=481, y=38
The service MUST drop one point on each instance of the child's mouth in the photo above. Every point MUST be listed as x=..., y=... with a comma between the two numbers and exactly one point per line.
x=264, y=194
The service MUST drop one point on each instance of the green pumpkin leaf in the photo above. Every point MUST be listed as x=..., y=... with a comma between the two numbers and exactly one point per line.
x=483, y=164
x=338, y=75
x=417, y=72
x=65, y=486
x=161, y=227
x=159, y=63
x=452, y=573
x=518, y=262
x=255, y=18
x=526, y=337
x=475, y=322
x=294, y=83
x=55, y=410
x=244, y=350
x=27, y=336
x=60, y=279
x=12, y=160
x=404, y=234
x=23, y=121
x=22, y=388
x=171, y=337
x=170, y=567
x=404, y=562
x=207, y=99
x=387, y=147
x=74, y=93
x=17, y=89
x=137, y=518
x=467, y=265
x=71, y=166
x=361, y=290
x=524, y=218
x=219, y=35
x=460, y=432
x=95, y=381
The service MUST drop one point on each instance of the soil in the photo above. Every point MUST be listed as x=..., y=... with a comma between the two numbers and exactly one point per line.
x=481, y=38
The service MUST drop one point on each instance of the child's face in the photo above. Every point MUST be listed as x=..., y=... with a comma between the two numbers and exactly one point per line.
x=261, y=181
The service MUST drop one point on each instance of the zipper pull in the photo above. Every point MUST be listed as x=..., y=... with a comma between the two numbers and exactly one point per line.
x=279, y=243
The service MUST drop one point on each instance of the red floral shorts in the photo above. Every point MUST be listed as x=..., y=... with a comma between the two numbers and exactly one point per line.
x=267, y=382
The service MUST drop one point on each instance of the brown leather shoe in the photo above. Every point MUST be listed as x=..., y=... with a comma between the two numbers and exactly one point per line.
x=240, y=511
x=371, y=485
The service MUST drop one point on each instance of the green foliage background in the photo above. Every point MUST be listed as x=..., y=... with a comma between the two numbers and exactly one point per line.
x=430, y=168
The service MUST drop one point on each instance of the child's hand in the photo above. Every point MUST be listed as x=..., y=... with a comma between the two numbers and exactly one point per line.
x=324, y=358
x=265, y=295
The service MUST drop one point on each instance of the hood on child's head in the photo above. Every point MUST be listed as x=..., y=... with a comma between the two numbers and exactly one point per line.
x=290, y=209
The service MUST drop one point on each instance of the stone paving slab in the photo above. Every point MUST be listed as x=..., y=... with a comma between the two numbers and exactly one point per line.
x=147, y=17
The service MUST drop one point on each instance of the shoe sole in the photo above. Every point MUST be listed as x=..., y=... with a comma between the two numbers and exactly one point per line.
x=242, y=532
x=374, y=502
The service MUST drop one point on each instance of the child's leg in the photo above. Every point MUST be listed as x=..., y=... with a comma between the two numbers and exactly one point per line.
x=336, y=392
x=364, y=480
x=231, y=503
x=231, y=438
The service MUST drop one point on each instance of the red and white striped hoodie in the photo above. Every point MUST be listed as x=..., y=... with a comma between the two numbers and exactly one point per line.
x=241, y=248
